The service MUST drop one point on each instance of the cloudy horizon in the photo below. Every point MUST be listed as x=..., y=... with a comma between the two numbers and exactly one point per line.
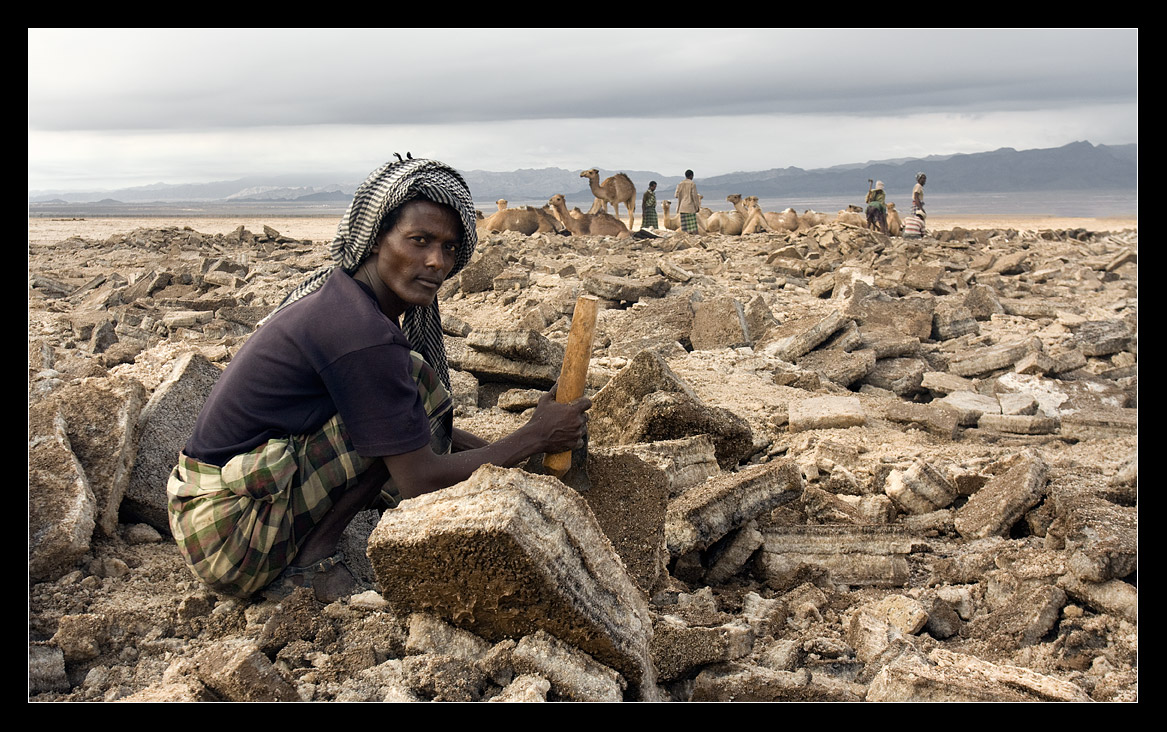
x=118, y=108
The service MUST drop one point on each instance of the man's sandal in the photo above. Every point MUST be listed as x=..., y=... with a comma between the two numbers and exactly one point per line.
x=329, y=579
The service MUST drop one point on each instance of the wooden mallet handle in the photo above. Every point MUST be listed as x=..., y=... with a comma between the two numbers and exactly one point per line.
x=573, y=376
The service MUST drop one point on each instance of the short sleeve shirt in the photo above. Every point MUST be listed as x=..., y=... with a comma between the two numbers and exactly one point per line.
x=331, y=352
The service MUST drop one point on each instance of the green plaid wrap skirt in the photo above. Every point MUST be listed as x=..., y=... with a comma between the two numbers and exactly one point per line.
x=238, y=527
x=689, y=223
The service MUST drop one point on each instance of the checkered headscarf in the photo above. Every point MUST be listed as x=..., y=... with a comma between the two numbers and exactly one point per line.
x=386, y=189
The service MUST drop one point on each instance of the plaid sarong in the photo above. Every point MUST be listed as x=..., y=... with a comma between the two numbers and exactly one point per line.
x=689, y=223
x=649, y=221
x=240, y=526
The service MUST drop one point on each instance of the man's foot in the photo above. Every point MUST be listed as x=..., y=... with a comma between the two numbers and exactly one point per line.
x=329, y=579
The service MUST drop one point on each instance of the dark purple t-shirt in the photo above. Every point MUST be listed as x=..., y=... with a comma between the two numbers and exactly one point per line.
x=332, y=351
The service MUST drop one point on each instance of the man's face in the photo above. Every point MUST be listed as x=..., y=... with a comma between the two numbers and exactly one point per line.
x=414, y=257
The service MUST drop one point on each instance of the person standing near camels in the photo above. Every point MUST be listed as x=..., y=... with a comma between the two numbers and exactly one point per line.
x=648, y=206
x=688, y=203
x=918, y=196
x=877, y=207
x=340, y=400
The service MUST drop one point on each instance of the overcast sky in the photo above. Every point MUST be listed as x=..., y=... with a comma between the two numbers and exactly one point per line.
x=117, y=108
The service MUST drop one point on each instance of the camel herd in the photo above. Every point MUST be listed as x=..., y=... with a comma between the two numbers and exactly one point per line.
x=747, y=216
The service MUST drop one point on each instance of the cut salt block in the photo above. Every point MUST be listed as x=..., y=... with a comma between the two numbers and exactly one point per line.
x=505, y=554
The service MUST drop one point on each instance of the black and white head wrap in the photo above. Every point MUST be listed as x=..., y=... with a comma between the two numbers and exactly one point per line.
x=385, y=190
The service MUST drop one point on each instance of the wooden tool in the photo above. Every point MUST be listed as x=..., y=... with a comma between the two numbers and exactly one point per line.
x=573, y=376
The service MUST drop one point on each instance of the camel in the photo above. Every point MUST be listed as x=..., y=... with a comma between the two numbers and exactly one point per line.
x=726, y=222
x=525, y=220
x=598, y=224
x=894, y=225
x=785, y=221
x=616, y=190
x=853, y=218
x=672, y=223
x=502, y=204
x=811, y=218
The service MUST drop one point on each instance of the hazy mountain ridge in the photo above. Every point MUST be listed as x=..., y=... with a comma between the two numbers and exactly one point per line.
x=1078, y=166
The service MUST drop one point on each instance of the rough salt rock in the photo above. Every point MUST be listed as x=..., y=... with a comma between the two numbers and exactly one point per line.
x=969, y=406
x=956, y=677
x=986, y=360
x=573, y=674
x=166, y=422
x=1003, y=501
x=684, y=462
x=673, y=415
x=524, y=688
x=937, y=418
x=101, y=418
x=1102, y=537
x=679, y=649
x=236, y=670
x=61, y=505
x=796, y=337
x=1018, y=424
x=628, y=497
x=871, y=308
x=493, y=367
x=1115, y=597
x=1024, y=620
x=1102, y=337
x=839, y=366
x=479, y=274
x=940, y=382
x=527, y=346
x=736, y=681
x=46, y=669
x=719, y=322
x=430, y=634
x=854, y=555
x=506, y=553
x=953, y=321
x=923, y=276
x=827, y=412
x=704, y=514
x=81, y=636
x=900, y=375
x=919, y=489
x=647, y=402
x=610, y=287
x=732, y=554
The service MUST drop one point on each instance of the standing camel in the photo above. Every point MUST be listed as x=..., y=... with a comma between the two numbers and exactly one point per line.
x=615, y=190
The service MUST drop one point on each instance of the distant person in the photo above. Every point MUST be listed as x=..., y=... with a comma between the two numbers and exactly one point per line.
x=918, y=196
x=688, y=203
x=648, y=205
x=877, y=207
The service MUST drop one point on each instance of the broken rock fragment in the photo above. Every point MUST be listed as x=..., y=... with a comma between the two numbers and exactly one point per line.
x=994, y=509
x=704, y=514
x=854, y=555
x=166, y=422
x=506, y=553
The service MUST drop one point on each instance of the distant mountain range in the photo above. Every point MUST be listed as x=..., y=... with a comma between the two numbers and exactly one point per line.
x=1078, y=166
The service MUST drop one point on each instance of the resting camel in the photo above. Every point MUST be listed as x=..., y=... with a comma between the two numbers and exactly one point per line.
x=616, y=190
x=502, y=204
x=785, y=221
x=598, y=224
x=852, y=217
x=673, y=223
x=525, y=220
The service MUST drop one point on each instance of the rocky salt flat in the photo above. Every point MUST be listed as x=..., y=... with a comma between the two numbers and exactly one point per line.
x=826, y=465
